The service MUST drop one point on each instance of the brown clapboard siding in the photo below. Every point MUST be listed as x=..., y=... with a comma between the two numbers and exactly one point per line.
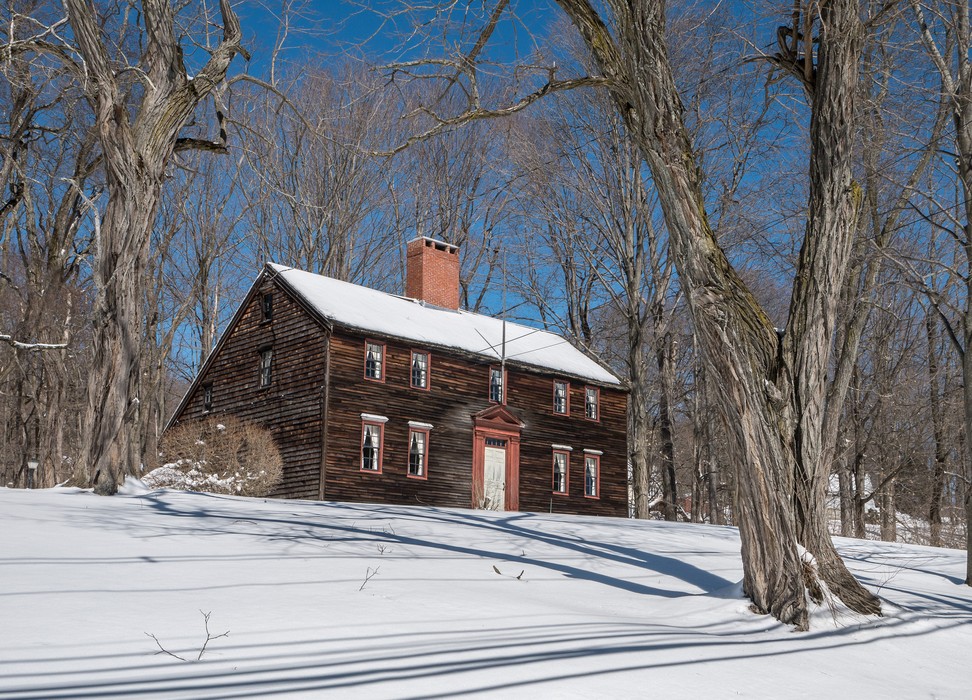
x=458, y=390
x=291, y=406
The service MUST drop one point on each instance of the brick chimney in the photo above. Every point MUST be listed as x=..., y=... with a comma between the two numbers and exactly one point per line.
x=432, y=272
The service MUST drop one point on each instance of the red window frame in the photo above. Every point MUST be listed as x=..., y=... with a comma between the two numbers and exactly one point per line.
x=428, y=369
x=384, y=361
x=553, y=473
x=424, y=476
x=489, y=384
x=597, y=403
x=566, y=411
x=597, y=475
x=381, y=445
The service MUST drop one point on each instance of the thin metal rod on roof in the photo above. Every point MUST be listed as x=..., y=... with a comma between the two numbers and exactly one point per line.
x=503, y=317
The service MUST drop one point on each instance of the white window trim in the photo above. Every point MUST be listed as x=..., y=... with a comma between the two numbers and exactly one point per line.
x=593, y=452
x=563, y=448
x=416, y=424
x=372, y=418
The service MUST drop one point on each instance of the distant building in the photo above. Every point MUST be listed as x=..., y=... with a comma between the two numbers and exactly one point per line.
x=408, y=399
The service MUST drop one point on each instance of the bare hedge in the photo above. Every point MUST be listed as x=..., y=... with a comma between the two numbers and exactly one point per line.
x=218, y=454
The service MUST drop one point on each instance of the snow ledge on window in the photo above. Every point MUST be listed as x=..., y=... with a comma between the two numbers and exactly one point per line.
x=417, y=424
x=565, y=448
x=373, y=418
x=593, y=452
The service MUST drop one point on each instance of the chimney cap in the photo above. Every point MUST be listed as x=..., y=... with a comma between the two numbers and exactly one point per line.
x=434, y=243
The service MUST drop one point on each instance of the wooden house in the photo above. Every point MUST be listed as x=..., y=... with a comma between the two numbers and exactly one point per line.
x=408, y=399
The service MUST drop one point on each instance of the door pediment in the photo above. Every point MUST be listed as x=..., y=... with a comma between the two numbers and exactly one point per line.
x=498, y=418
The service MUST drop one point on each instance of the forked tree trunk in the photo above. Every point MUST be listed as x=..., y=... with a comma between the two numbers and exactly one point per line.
x=770, y=389
x=135, y=153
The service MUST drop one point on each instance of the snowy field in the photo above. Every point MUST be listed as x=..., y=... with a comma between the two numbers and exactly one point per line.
x=455, y=602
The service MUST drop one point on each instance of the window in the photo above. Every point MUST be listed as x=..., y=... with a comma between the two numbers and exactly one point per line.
x=497, y=392
x=420, y=370
x=591, y=401
x=266, y=366
x=374, y=361
x=371, y=446
x=207, y=398
x=561, y=460
x=418, y=441
x=561, y=400
x=592, y=475
x=266, y=305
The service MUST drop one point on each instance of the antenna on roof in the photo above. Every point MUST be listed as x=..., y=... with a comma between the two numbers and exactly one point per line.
x=503, y=317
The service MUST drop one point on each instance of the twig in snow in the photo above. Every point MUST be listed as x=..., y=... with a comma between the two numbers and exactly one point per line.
x=369, y=574
x=209, y=637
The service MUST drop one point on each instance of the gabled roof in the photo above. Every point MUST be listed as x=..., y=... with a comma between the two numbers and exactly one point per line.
x=371, y=311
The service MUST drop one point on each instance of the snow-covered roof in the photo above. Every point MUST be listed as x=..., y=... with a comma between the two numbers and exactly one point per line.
x=369, y=310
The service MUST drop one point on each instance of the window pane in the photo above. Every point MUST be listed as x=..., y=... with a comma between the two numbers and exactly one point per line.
x=373, y=361
x=590, y=476
x=560, y=397
x=496, y=385
x=370, y=446
x=560, y=473
x=267, y=307
x=420, y=365
x=266, y=364
x=416, y=454
x=591, y=404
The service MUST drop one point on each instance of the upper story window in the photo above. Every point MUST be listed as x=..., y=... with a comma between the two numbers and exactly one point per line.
x=592, y=475
x=371, y=445
x=497, y=385
x=561, y=460
x=266, y=307
x=374, y=361
x=561, y=397
x=266, y=366
x=207, y=397
x=420, y=370
x=418, y=441
x=592, y=403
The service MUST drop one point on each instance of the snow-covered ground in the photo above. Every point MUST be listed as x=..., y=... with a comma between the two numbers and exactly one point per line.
x=362, y=601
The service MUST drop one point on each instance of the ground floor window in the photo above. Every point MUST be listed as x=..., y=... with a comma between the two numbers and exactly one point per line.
x=592, y=475
x=561, y=462
x=418, y=455
x=371, y=445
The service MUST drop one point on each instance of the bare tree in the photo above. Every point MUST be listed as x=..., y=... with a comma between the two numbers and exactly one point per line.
x=948, y=42
x=140, y=112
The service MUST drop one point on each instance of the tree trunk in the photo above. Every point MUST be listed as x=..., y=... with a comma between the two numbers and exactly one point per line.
x=135, y=152
x=937, y=408
x=663, y=354
x=889, y=522
x=638, y=421
x=846, y=495
x=770, y=389
x=112, y=441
